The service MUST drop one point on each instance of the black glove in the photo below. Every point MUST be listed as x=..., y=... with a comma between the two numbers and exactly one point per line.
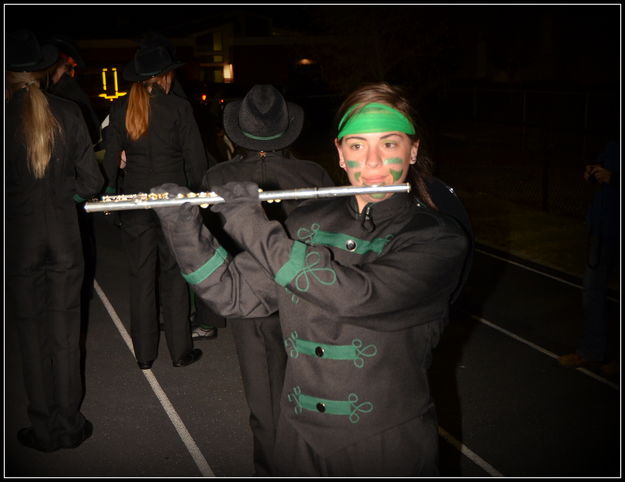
x=236, y=195
x=175, y=218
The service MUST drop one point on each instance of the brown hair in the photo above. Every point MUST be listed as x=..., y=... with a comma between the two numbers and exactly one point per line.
x=39, y=126
x=138, y=113
x=395, y=97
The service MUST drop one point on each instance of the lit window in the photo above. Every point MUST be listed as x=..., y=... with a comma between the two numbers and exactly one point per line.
x=228, y=73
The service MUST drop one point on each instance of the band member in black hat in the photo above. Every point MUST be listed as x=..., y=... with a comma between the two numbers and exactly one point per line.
x=49, y=167
x=64, y=84
x=162, y=143
x=263, y=125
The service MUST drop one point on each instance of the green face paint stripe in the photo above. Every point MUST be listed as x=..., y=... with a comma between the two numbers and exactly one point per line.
x=339, y=240
x=357, y=176
x=379, y=195
x=353, y=164
x=396, y=174
x=393, y=160
x=295, y=264
x=208, y=268
x=374, y=117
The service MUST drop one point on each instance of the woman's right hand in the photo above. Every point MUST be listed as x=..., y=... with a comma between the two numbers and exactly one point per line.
x=175, y=217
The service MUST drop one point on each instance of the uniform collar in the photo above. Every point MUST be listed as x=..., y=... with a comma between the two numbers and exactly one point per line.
x=380, y=211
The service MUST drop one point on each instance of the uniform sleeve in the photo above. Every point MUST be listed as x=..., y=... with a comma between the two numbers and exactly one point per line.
x=231, y=286
x=418, y=269
x=114, y=142
x=89, y=179
x=194, y=154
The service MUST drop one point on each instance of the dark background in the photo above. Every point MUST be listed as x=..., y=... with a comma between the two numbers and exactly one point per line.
x=516, y=98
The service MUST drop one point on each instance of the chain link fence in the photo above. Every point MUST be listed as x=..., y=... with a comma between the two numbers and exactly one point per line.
x=525, y=146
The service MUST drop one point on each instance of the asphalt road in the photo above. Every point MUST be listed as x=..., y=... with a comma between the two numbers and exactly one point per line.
x=505, y=406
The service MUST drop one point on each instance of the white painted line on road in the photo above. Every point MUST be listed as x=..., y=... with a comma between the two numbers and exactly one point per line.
x=542, y=350
x=184, y=434
x=468, y=453
x=520, y=265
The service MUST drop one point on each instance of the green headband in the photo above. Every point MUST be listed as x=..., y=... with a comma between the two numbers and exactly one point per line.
x=374, y=117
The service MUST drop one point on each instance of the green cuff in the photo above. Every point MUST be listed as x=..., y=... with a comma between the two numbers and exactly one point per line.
x=208, y=268
x=78, y=199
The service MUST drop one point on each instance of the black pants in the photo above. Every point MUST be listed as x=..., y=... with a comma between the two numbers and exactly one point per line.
x=44, y=273
x=155, y=280
x=262, y=359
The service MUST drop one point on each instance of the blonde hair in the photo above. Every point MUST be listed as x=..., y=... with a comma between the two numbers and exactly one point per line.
x=39, y=126
x=138, y=113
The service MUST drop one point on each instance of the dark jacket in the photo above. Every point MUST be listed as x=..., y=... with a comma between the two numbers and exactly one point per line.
x=604, y=214
x=170, y=151
x=68, y=88
x=73, y=174
x=363, y=299
x=272, y=172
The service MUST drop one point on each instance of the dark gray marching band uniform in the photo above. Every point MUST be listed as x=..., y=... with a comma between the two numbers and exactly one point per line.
x=170, y=151
x=259, y=341
x=262, y=125
x=362, y=298
x=44, y=269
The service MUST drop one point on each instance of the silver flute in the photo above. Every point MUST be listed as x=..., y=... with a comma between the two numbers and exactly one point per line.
x=125, y=202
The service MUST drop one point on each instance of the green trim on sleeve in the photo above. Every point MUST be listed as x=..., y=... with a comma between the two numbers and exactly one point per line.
x=208, y=268
x=78, y=199
x=295, y=264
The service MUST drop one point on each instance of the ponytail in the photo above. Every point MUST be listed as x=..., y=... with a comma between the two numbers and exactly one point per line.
x=39, y=126
x=138, y=113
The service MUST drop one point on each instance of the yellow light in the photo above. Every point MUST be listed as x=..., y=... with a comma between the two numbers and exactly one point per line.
x=228, y=73
x=203, y=97
x=115, y=78
x=116, y=94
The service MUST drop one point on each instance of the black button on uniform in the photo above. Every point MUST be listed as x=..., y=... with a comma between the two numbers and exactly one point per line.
x=350, y=244
x=321, y=407
x=319, y=351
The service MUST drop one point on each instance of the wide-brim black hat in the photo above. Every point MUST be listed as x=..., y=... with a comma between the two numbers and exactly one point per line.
x=67, y=46
x=24, y=53
x=263, y=120
x=150, y=61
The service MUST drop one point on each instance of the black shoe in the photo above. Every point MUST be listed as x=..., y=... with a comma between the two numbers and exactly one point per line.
x=27, y=438
x=191, y=357
x=145, y=365
x=85, y=433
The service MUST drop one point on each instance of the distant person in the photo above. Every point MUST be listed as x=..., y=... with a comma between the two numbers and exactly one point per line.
x=154, y=39
x=263, y=125
x=63, y=83
x=363, y=287
x=49, y=167
x=161, y=142
x=603, y=222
